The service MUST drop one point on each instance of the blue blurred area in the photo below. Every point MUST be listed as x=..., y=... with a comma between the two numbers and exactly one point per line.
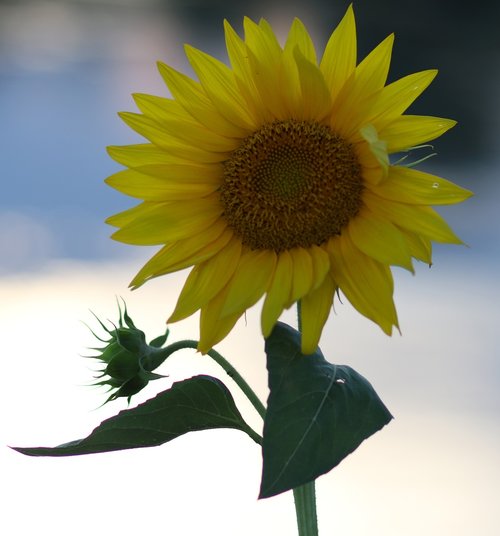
x=67, y=67
x=55, y=157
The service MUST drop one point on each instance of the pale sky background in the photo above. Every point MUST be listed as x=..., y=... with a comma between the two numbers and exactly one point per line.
x=66, y=68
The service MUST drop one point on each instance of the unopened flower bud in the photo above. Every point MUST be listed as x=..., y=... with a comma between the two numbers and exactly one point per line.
x=127, y=358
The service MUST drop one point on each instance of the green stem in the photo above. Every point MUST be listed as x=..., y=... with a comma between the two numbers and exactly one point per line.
x=305, y=509
x=305, y=496
x=230, y=370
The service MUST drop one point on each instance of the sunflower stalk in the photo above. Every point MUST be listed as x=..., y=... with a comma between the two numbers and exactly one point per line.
x=305, y=496
x=305, y=509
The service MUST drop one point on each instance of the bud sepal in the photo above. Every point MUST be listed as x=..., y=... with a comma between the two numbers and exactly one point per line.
x=128, y=360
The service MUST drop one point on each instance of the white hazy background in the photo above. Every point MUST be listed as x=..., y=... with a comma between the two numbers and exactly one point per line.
x=433, y=470
x=65, y=69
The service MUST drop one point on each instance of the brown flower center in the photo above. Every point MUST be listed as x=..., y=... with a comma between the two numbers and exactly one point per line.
x=291, y=184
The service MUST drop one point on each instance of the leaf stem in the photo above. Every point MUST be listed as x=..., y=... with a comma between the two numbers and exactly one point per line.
x=305, y=509
x=305, y=495
x=230, y=370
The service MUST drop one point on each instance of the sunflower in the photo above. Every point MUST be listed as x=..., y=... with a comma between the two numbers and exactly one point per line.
x=272, y=178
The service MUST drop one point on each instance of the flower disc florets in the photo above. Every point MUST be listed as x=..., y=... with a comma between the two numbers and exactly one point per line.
x=291, y=184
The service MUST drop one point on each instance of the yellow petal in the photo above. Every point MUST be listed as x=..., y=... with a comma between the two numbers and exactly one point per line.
x=238, y=57
x=186, y=172
x=315, y=309
x=366, y=283
x=213, y=328
x=379, y=239
x=316, y=102
x=321, y=265
x=269, y=34
x=278, y=293
x=339, y=59
x=141, y=154
x=411, y=130
x=387, y=104
x=142, y=186
x=178, y=123
x=419, y=219
x=303, y=273
x=198, y=135
x=369, y=77
x=372, y=175
x=260, y=39
x=166, y=222
x=372, y=170
x=161, y=107
x=250, y=281
x=412, y=186
x=160, y=136
x=287, y=79
x=194, y=100
x=419, y=246
x=265, y=60
x=123, y=218
x=219, y=84
x=394, y=99
x=184, y=253
x=371, y=73
x=206, y=280
x=282, y=85
x=299, y=38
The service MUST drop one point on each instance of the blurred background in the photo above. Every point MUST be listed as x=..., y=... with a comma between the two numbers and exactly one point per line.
x=66, y=68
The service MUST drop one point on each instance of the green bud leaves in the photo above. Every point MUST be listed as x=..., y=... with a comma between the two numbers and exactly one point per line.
x=128, y=359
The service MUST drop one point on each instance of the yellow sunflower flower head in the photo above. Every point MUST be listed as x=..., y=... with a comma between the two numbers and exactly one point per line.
x=272, y=178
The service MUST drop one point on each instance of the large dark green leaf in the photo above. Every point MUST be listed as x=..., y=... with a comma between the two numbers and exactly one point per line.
x=317, y=414
x=199, y=403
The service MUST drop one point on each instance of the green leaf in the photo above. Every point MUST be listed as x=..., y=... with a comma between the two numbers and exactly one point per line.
x=198, y=403
x=317, y=414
